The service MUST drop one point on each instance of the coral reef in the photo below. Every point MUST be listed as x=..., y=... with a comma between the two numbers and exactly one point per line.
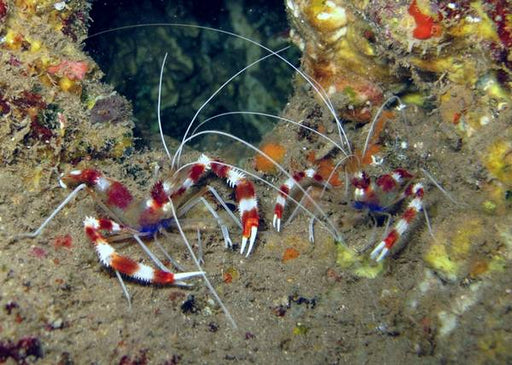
x=359, y=51
x=339, y=54
x=47, y=85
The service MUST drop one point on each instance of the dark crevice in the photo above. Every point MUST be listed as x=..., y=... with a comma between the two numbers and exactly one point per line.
x=199, y=62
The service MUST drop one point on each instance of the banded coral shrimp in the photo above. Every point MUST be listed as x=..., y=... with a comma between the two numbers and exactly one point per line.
x=117, y=201
x=259, y=289
x=376, y=195
x=353, y=255
x=379, y=196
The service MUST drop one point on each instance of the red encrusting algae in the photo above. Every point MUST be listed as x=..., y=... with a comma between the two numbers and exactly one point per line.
x=426, y=25
x=73, y=70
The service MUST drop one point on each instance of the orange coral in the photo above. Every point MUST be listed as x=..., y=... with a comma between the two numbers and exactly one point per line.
x=370, y=151
x=373, y=145
x=274, y=151
x=231, y=274
x=325, y=168
x=385, y=116
x=290, y=254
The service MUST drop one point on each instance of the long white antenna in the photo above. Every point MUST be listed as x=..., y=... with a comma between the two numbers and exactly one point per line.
x=321, y=93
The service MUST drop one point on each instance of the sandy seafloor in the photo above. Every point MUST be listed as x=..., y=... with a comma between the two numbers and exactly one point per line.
x=308, y=310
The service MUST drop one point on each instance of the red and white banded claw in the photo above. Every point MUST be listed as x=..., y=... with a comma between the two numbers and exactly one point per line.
x=380, y=252
x=125, y=265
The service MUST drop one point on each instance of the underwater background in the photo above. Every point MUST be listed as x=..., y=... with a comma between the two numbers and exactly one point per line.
x=421, y=86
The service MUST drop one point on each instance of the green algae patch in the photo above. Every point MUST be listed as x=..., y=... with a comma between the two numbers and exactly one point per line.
x=453, y=253
x=441, y=261
x=456, y=254
x=300, y=329
x=359, y=265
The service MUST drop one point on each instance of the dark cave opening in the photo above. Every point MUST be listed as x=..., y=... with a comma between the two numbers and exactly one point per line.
x=199, y=62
